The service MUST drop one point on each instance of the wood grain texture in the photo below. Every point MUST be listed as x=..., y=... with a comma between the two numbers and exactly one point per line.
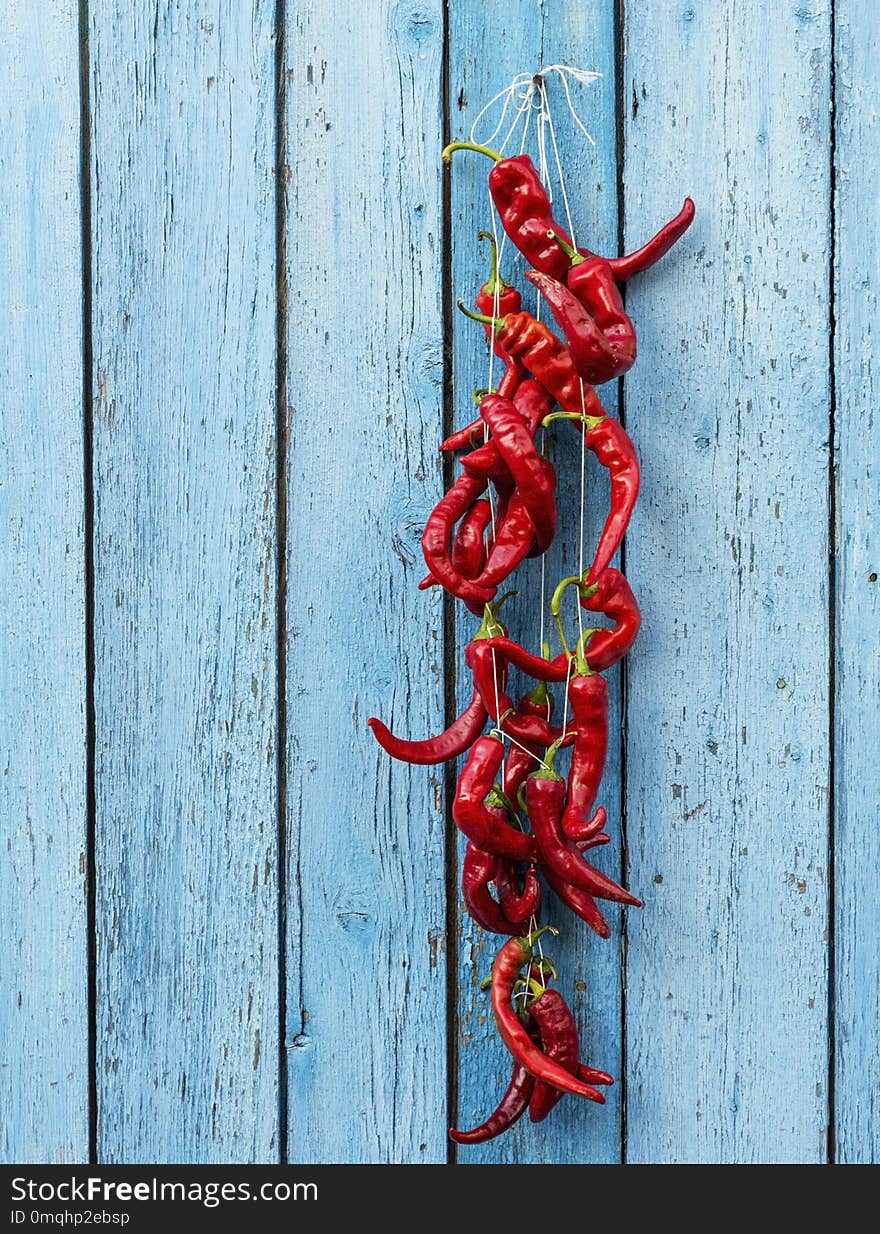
x=488, y=46
x=43, y=1012
x=857, y=603
x=182, y=134
x=366, y=1023
x=728, y=742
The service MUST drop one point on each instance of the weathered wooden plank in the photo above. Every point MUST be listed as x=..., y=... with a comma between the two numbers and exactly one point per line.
x=727, y=756
x=488, y=46
x=183, y=100
x=43, y=950
x=366, y=1019
x=857, y=730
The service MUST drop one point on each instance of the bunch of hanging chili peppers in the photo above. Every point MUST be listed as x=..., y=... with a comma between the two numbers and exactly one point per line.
x=519, y=815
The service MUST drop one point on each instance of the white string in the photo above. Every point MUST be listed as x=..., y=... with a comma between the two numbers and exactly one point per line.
x=584, y=77
x=543, y=88
x=525, y=749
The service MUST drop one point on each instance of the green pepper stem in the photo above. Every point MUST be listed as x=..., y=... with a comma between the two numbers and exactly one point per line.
x=556, y=608
x=470, y=145
x=490, y=626
x=572, y=254
x=479, y=395
x=497, y=322
x=532, y=938
x=521, y=797
x=496, y=285
x=581, y=666
x=590, y=421
x=539, y=695
x=547, y=770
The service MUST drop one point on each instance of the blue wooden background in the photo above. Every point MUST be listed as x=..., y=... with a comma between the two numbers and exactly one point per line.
x=229, y=927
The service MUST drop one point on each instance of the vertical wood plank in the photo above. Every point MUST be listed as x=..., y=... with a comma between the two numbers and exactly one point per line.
x=727, y=757
x=43, y=950
x=367, y=1011
x=857, y=598
x=488, y=46
x=183, y=132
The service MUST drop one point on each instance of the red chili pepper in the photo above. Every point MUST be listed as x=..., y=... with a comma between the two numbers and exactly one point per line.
x=460, y=735
x=611, y=444
x=524, y=207
x=559, y=1041
x=510, y=1108
x=545, y=800
x=478, y=870
x=613, y=597
x=588, y=696
x=486, y=825
x=579, y=901
x=533, y=729
x=514, y=538
x=516, y=953
x=601, y=339
x=436, y=537
x=469, y=548
x=520, y=763
x=533, y=476
x=546, y=358
x=490, y=677
x=518, y=905
x=522, y=204
x=624, y=268
x=533, y=403
x=495, y=292
x=535, y=666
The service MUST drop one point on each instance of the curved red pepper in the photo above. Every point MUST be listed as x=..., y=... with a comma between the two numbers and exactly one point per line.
x=526, y=214
x=514, y=537
x=478, y=870
x=535, y=666
x=533, y=476
x=601, y=339
x=510, y=1108
x=518, y=905
x=437, y=534
x=579, y=901
x=545, y=800
x=469, y=548
x=624, y=268
x=495, y=297
x=614, y=598
x=487, y=826
x=490, y=676
x=533, y=403
x=460, y=735
x=512, y=957
x=536, y=346
x=588, y=696
x=612, y=446
x=559, y=1041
